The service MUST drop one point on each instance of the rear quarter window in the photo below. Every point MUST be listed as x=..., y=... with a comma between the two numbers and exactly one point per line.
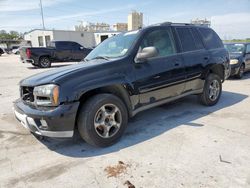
x=210, y=38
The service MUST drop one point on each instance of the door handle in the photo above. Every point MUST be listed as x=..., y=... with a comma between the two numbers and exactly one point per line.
x=177, y=64
x=206, y=58
x=157, y=77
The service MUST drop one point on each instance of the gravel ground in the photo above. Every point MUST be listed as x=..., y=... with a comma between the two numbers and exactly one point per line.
x=182, y=144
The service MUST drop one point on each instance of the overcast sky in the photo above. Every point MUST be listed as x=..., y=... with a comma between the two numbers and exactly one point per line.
x=230, y=18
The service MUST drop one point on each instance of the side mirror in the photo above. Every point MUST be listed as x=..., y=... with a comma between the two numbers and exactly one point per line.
x=146, y=53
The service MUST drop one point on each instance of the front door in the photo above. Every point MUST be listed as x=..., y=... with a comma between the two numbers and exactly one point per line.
x=163, y=76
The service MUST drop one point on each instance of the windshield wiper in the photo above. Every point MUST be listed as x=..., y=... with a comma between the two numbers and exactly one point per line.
x=100, y=57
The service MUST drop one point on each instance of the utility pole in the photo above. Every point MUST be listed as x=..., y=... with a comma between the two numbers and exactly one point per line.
x=41, y=6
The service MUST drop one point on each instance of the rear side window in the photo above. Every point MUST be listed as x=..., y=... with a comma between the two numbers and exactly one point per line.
x=197, y=39
x=75, y=46
x=63, y=45
x=186, y=39
x=210, y=38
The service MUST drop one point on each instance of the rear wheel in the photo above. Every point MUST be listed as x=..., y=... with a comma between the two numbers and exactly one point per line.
x=241, y=71
x=44, y=62
x=212, y=90
x=102, y=120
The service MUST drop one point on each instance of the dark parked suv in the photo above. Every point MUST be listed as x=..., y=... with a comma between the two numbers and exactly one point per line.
x=124, y=75
x=239, y=58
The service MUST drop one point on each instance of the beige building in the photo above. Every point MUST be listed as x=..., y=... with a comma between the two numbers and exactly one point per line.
x=203, y=22
x=120, y=27
x=135, y=20
x=93, y=27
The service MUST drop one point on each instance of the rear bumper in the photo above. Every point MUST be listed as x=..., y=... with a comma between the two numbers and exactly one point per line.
x=27, y=60
x=57, y=122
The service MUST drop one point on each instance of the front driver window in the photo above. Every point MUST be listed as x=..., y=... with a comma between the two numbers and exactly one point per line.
x=162, y=40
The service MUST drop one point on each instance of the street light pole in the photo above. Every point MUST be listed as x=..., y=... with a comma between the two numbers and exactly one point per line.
x=41, y=6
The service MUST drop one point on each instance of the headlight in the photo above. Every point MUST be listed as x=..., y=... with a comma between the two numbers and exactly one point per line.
x=46, y=95
x=234, y=61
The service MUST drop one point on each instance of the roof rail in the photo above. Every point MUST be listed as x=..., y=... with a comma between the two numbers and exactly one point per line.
x=171, y=23
x=182, y=24
x=165, y=23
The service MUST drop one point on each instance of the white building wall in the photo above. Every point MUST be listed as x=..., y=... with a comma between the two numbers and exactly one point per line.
x=33, y=37
x=98, y=36
x=86, y=39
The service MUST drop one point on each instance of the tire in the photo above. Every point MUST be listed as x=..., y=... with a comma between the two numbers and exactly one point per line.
x=211, y=91
x=44, y=62
x=102, y=112
x=241, y=71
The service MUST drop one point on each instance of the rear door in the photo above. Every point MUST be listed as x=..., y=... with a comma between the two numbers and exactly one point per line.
x=195, y=56
x=160, y=77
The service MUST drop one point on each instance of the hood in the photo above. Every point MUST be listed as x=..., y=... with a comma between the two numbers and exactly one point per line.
x=50, y=76
x=235, y=55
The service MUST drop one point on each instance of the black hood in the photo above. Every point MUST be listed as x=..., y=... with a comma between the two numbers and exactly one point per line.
x=52, y=75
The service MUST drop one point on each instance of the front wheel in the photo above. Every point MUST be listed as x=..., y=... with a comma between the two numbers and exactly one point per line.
x=102, y=120
x=44, y=62
x=212, y=90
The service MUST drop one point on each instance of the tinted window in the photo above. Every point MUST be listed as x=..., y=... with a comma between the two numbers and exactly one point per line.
x=187, y=39
x=197, y=39
x=63, y=45
x=161, y=39
x=210, y=38
x=75, y=46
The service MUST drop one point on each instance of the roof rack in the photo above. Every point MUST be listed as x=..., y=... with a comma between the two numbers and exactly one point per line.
x=170, y=23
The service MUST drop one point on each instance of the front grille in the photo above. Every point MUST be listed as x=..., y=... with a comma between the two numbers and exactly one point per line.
x=27, y=94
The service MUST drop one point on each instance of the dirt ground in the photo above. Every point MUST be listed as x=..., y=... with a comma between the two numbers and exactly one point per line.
x=182, y=144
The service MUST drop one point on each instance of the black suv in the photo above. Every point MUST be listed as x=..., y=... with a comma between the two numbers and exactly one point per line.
x=239, y=58
x=124, y=75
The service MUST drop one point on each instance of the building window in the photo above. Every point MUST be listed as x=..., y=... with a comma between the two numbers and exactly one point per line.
x=40, y=41
x=47, y=40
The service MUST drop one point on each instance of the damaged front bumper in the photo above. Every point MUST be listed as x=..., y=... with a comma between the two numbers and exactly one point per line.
x=56, y=122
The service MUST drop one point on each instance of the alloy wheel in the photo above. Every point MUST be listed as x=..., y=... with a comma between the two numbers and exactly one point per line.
x=214, y=90
x=107, y=120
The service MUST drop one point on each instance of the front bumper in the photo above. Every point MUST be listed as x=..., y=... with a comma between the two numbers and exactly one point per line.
x=57, y=122
x=234, y=69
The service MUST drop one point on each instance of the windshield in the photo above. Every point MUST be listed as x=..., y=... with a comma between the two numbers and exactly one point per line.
x=114, y=47
x=235, y=48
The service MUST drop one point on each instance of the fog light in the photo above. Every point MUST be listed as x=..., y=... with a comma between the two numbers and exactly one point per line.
x=44, y=124
x=31, y=121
